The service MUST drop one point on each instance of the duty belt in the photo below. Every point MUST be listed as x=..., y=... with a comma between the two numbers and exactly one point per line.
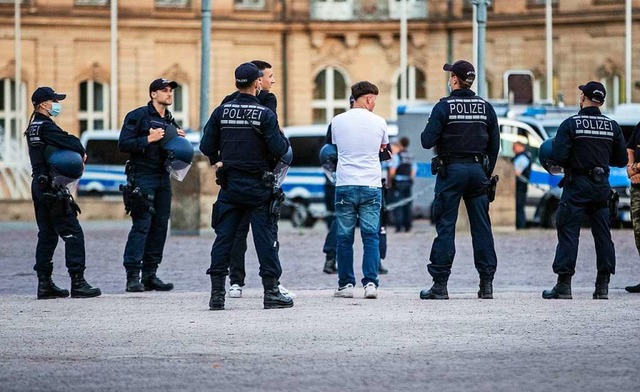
x=589, y=172
x=471, y=158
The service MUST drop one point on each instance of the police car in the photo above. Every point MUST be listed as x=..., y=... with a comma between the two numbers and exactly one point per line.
x=104, y=168
x=304, y=184
x=546, y=123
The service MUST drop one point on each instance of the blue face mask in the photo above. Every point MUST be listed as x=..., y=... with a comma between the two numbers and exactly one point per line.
x=55, y=109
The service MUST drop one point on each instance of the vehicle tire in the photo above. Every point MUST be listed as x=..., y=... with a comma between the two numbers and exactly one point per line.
x=550, y=215
x=300, y=216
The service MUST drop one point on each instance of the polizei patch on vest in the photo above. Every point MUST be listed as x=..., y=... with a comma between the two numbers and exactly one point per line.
x=467, y=109
x=593, y=123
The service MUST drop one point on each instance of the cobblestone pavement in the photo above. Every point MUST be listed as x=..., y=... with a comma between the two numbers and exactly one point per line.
x=170, y=341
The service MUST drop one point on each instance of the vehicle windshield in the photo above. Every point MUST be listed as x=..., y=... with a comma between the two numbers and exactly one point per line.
x=551, y=130
x=105, y=152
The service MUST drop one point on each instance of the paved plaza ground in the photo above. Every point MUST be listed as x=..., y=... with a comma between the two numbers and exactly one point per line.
x=172, y=342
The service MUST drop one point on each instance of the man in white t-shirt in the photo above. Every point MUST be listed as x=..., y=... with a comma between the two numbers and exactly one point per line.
x=359, y=136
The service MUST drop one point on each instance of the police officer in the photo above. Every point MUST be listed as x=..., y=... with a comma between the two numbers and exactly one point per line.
x=586, y=145
x=464, y=129
x=241, y=139
x=402, y=171
x=53, y=221
x=330, y=241
x=522, y=167
x=142, y=136
x=633, y=172
x=237, y=271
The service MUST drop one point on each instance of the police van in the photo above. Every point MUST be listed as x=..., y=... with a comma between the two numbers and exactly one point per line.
x=104, y=168
x=304, y=184
x=543, y=193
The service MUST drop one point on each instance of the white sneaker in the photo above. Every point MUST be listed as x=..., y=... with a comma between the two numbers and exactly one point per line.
x=370, y=291
x=286, y=292
x=344, y=291
x=235, y=291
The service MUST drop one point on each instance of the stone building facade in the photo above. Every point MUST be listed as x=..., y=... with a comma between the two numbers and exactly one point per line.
x=318, y=49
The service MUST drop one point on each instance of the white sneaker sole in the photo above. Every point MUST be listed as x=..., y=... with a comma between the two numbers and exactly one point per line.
x=235, y=294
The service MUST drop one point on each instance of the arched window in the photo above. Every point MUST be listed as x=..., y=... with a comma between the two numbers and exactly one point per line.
x=416, y=88
x=180, y=106
x=10, y=134
x=615, y=90
x=330, y=95
x=94, y=106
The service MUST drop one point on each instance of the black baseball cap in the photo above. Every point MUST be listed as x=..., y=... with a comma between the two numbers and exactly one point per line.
x=462, y=69
x=161, y=83
x=595, y=91
x=247, y=73
x=43, y=94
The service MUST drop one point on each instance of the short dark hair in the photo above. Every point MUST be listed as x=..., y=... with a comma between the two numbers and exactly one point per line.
x=262, y=65
x=363, y=88
x=404, y=141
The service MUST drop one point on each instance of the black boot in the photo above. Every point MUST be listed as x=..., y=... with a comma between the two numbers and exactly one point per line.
x=633, y=289
x=437, y=291
x=562, y=289
x=330, y=264
x=381, y=269
x=486, y=289
x=273, y=298
x=152, y=282
x=602, y=286
x=48, y=290
x=133, y=282
x=217, y=292
x=81, y=289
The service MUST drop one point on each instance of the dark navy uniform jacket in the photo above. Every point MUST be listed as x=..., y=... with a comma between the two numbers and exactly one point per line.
x=589, y=140
x=147, y=157
x=463, y=123
x=265, y=98
x=244, y=135
x=43, y=132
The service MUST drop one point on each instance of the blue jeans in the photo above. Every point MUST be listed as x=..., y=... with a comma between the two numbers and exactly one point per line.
x=353, y=202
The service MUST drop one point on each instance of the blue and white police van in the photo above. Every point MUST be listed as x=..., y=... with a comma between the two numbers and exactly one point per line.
x=304, y=184
x=104, y=169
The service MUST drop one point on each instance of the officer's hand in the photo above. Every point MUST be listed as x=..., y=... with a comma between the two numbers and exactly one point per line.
x=181, y=132
x=84, y=158
x=218, y=165
x=155, y=134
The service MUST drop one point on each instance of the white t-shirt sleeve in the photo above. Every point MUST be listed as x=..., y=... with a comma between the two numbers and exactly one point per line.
x=385, y=136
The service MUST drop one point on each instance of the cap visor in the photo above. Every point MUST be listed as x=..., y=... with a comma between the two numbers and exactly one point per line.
x=581, y=87
x=60, y=97
x=447, y=67
x=173, y=85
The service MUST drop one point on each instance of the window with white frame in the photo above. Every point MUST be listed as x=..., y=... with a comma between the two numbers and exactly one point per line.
x=180, y=106
x=94, y=100
x=416, y=89
x=330, y=95
x=10, y=134
x=332, y=9
x=172, y=3
x=249, y=4
x=613, y=86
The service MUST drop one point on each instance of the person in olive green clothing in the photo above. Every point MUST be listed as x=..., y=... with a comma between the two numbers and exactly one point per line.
x=633, y=171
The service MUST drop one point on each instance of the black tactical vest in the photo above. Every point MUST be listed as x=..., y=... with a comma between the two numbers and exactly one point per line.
x=466, y=131
x=593, y=141
x=406, y=164
x=36, y=148
x=242, y=146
